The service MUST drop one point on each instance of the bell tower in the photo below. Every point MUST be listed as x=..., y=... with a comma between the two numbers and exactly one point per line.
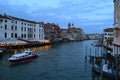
x=69, y=25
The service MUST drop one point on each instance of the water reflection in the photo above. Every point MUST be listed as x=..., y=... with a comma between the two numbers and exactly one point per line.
x=58, y=62
x=20, y=64
x=34, y=49
x=0, y=57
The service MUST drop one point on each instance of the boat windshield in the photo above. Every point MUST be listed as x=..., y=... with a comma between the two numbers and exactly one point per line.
x=14, y=57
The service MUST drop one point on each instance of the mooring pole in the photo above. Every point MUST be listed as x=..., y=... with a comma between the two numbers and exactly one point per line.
x=85, y=53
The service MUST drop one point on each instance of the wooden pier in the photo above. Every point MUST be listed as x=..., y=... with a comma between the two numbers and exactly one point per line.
x=95, y=58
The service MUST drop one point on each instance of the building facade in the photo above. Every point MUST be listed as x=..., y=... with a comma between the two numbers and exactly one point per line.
x=14, y=28
x=74, y=33
x=64, y=34
x=108, y=37
x=93, y=36
x=116, y=40
x=52, y=32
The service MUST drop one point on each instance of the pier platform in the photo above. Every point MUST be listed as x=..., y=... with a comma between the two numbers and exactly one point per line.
x=95, y=58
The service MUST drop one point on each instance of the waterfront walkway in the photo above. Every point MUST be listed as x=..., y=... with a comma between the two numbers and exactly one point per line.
x=15, y=43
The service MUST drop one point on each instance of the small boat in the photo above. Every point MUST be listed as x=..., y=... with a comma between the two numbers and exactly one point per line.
x=24, y=56
x=110, y=73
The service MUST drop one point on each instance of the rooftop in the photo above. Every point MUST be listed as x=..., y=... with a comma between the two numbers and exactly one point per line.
x=108, y=30
x=15, y=18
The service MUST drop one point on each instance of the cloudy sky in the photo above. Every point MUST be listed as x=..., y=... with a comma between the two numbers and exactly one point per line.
x=91, y=15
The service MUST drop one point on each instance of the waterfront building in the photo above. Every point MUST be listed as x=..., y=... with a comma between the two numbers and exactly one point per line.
x=116, y=25
x=74, y=33
x=94, y=36
x=64, y=34
x=52, y=32
x=108, y=37
x=13, y=28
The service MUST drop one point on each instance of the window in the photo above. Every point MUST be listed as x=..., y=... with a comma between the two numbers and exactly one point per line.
x=5, y=21
x=34, y=35
x=5, y=26
x=11, y=35
x=16, y=28
x=5, y=35
x=1, y=20
x=16, y=22
x=22, y=35
x=11, y=27
x=21, y=28
x=15, y=35
x=39, y=25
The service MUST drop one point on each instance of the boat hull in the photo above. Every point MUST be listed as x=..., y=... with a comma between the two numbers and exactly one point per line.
x=23, y=59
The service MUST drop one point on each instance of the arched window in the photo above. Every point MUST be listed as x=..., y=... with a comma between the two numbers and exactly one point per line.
x=11, y=35
x=11, y=27
x=21, y=28
x=22, y=35
x=34, y=35
x=5, y=26
x=5, y=35
x=15, y=35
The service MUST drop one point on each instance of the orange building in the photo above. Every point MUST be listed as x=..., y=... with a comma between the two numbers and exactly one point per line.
x=52, y=32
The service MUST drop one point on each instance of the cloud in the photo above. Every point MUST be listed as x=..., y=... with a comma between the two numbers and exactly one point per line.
x=36, y=3
x=66, y=17
x=83, y=13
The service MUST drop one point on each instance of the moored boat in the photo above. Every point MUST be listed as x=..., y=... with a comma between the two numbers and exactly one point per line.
x=24, y=56
x=110, y=73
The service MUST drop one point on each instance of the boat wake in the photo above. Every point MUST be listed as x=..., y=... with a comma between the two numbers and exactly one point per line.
x=40, y=54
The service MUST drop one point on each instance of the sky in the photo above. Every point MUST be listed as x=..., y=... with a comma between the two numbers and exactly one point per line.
x=90, y=15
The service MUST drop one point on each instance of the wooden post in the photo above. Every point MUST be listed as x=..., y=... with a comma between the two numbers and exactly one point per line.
x=101, y=74
x=85, y=53
x=98, y=51
x=90, y=54
x=95, y=53
x=101, y=55
x=116, y=76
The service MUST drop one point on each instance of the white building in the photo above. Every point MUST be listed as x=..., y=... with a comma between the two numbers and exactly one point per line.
x=14, y=28
x=108, y=37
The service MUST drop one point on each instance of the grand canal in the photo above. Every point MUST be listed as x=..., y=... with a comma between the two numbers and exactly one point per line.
x=57, y=62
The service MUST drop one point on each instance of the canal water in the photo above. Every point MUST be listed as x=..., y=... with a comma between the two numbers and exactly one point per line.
x=65, y=61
